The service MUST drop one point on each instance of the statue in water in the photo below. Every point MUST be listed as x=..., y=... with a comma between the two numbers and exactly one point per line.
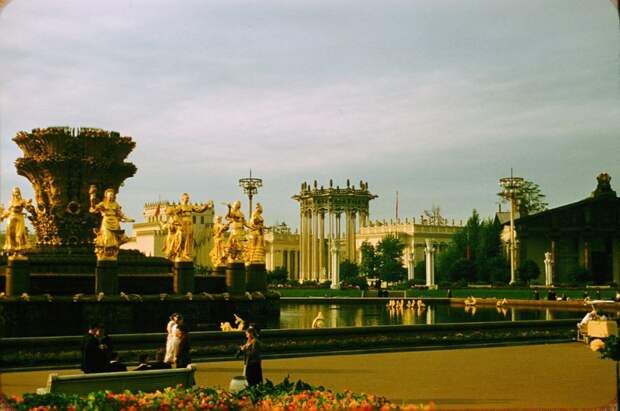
x=16, y=242
x=109, y=236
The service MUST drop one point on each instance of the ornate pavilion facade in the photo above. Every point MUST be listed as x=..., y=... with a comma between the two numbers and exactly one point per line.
x=329, y=220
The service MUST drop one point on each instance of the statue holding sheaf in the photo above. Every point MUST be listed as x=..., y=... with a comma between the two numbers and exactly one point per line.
x=109, y=236
x=184, y=212
x=16, y=242
x=218, y=252
x=255, y=253
x=235, y=246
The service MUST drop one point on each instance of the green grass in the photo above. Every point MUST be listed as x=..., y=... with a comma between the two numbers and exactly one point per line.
x=508, y=293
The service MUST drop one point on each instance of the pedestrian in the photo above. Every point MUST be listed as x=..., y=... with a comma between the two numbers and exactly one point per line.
x=90, y=350
x=251, y=351
x=183, y=358
x=171, y=339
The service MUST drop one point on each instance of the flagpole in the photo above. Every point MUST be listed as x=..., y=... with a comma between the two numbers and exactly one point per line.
x=396, y=204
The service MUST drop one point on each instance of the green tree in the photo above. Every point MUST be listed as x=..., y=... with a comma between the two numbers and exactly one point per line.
x=348, y=271
x=390, y=259
x=474, y=253
x=369, y=261
x=530, y=198
x=279, y=275
x=528, y=270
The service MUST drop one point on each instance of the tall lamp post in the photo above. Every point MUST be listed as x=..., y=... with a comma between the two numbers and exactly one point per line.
x=250, y=187
x=511, y=187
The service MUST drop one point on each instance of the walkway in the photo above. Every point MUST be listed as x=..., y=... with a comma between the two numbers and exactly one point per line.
x=535, y=376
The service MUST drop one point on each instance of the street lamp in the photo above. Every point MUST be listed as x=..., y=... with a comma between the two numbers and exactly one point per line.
x=250, y=187
x=511, y=187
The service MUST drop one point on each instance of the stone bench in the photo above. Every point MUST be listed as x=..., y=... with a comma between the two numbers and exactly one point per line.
x=147, y=381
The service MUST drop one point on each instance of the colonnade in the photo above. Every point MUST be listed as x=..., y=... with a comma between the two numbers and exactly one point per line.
x=328, y=221
x=324, y=232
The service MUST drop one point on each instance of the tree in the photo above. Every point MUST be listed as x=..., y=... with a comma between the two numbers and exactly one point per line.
x=369, y=261
x=474, y=253
x=348, y=271
x=528, y=271
x=279, y=275
x=390, y=259
x=530, y=198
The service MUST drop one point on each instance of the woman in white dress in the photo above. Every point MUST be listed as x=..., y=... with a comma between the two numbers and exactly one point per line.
x=171, y=340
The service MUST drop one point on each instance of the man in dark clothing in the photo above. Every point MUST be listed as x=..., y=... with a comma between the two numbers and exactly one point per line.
x=251, y=352
x=115, y=364
x=89, y=351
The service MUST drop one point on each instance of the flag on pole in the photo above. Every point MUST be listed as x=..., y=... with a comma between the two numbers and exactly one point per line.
x=157, y=211
x=397, y=205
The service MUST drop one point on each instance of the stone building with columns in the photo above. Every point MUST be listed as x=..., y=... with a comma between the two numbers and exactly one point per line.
x=581, y=234
x=423, y=239
x=148, y=237
x=329, y=220
x=282, y=249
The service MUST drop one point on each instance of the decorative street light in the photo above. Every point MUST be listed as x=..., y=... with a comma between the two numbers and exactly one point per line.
x=250, y=187
x=511, y=187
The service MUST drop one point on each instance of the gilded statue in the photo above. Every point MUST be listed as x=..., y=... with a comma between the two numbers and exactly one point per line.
x=185, y=211
x=174, y=234
x=255, y=252
x=109, y=236
x=16, y=242
x=235, y=245
x=218, y=252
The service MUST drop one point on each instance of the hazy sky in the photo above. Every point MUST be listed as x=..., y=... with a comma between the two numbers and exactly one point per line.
x=435, y=99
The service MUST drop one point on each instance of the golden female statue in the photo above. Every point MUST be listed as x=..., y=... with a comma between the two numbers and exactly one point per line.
x=218, y=252
x=109, y=236
x=174, y=234
x=16, y=243
x=256, y=238
x=185, y=211
x=236, y=239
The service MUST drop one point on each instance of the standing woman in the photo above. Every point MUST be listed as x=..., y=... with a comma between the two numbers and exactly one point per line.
x=251, y=358
x=183, y=358
x=171, y=339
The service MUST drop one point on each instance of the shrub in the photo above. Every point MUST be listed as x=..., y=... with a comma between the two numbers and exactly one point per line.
x=462, y=270
x=528, y=271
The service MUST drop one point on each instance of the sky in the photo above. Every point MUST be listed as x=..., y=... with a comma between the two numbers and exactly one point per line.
x=434, y=99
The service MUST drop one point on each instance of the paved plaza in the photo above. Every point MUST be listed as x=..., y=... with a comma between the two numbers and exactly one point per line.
x=530, y=376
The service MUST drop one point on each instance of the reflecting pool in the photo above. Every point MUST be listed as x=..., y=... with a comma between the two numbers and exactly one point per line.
x=301, y=315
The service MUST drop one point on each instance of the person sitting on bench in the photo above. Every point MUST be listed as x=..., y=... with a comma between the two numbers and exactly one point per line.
x=115, y=364
x=144, y=365
x=159, y=363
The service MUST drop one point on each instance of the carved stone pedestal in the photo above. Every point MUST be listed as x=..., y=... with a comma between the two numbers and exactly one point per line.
x=183, y=277
x=17, y=277
x=106, y=277
x=256, y=277
x=235, y=278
